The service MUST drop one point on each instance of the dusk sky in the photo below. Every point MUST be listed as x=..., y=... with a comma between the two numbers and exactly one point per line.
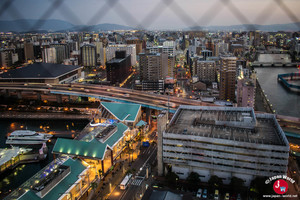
x=155, y=13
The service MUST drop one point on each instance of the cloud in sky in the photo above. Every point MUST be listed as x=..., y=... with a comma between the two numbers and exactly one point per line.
x=155, y=13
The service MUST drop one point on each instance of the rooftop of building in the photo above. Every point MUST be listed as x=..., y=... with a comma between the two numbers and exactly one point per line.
x=94, y=149
x=206, y=61
x=76, y=168
x=237, y=124
x=116, y=60
x=39, y=71
x=122, y=111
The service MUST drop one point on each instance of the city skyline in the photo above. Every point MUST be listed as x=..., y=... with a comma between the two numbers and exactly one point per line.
x=156, y=14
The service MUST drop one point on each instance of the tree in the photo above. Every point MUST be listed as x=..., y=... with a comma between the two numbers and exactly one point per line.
x=193, y=181
x=215, y=182
x=172, y=177
x=94, y=186
x=236, y=184
x=129, y=149
x=258, y=187
x=100, y=173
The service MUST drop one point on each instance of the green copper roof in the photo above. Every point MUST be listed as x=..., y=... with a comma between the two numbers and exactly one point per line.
x=112, y=140
x=141, y=123
x=76, y=169
x=122, y=111
x=93, y=149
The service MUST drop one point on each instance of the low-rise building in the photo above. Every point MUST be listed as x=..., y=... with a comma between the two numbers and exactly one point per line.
x=43, y=73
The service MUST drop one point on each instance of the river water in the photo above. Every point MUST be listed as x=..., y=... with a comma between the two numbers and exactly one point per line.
x=283, y=101
x=14, y=178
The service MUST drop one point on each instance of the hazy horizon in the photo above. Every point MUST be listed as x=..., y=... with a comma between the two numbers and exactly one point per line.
x=156, y=14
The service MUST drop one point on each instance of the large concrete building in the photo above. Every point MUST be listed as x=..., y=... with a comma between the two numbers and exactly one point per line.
x=206, y=71
x=130, y=50
x=118, y=69
x=88, y=55
x=223, y=141
x=170, y=50
x=138, y=44
x=227, y=78
x=49, y=55
x=153, y=66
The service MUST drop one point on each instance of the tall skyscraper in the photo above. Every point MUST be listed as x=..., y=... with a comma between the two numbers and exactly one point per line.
x=227, y=78
x=88, y=55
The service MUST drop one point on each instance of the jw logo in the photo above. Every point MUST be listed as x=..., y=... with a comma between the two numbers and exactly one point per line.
x=282, y=189
x=280, y=186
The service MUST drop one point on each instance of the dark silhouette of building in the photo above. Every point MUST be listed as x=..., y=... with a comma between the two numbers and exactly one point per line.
x=28, y=49
x=118, y=69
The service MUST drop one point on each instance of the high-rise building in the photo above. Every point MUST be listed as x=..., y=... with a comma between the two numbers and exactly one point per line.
x=130, y=50
x=171, y=66
x=227, y=78
x=223, y=141
x=118, y=69
x=61, y=52
x=49, y=55
x=6, y=58
x=138, y=43
x=206, y=54
x=99, y=51
x=206, y=71
x=170, y=50
x=153, y=66
x=28, y=50
x=88, y=55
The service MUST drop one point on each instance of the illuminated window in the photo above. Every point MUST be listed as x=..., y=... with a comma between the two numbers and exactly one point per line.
x=69, y=197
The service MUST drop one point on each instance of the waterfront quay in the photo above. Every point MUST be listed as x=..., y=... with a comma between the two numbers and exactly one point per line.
x=43, y=116
x=12, y=157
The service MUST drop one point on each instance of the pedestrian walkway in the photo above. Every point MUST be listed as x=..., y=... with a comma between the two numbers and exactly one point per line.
x=137, y=181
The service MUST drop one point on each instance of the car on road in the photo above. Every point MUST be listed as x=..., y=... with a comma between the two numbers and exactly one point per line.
x=204, y=195
x=216, y=196
x=227, y=196
x=199, y=193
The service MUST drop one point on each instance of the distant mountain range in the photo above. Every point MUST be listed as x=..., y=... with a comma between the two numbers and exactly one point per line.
x=251, y=27
x=53, y=25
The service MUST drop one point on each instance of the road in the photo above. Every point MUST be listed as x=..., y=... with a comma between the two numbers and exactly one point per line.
x=109, y=92
x=147, y=155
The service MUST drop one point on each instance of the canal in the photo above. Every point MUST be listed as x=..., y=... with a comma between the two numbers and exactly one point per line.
x=12, y=179
x=283, y=101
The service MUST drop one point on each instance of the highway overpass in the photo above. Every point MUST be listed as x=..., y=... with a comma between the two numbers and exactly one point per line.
x=108, y=93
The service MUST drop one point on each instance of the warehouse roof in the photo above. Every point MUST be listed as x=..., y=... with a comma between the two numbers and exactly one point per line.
x=40, y=71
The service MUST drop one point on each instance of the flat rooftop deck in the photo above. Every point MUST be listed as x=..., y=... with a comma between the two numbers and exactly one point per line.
x=226, y=124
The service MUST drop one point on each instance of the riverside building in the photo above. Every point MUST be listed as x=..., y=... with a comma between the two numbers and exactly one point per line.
x=223, y=141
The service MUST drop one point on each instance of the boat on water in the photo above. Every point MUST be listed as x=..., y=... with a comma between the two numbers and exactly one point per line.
x=27, y=137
